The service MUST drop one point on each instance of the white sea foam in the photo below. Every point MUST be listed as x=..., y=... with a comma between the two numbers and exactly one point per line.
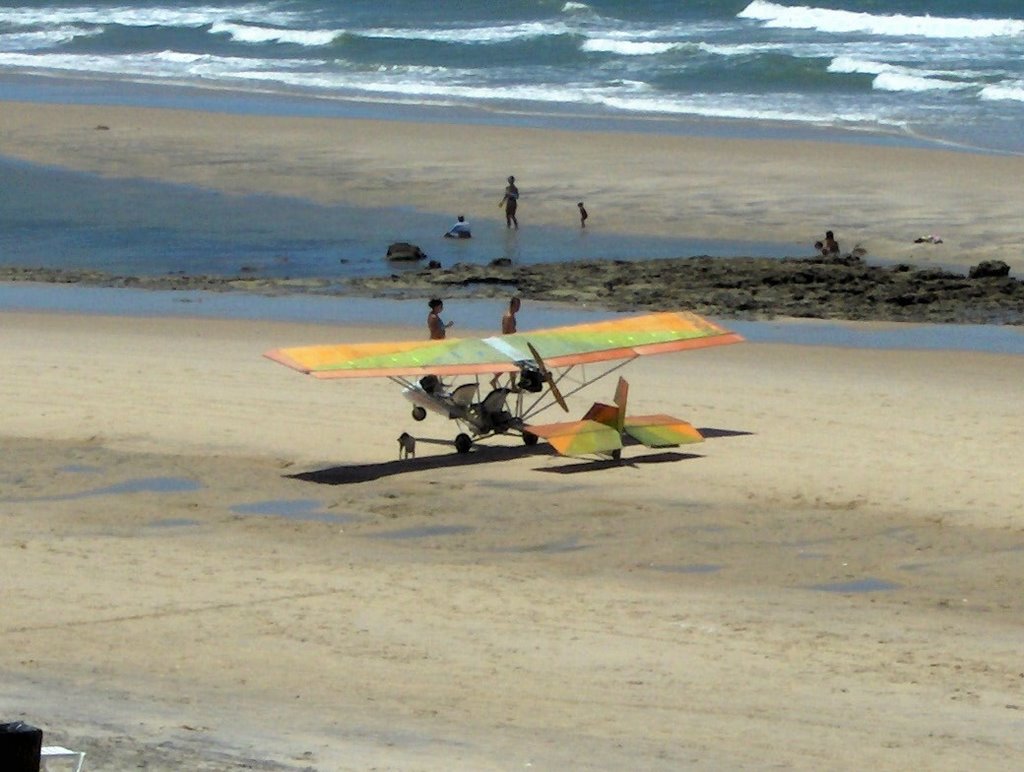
x=742, y=49
x=891, y=77
x=1003, y=93
x=471, y=35
x=570, y=7
x=746, y=107
x=835, y=21
x=246, y=33
x=29, y=41
x=626, y=47
x=162, y=16
x=898, y=81
x=162, y=64
x=849, y=64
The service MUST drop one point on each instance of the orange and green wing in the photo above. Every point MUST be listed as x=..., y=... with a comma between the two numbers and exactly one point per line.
x=579, y=438
x=454, y=356
x=661, y=431
x=622, y=338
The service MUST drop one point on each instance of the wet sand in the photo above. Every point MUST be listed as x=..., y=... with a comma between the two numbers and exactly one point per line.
x=878, y=197
x=214, y=563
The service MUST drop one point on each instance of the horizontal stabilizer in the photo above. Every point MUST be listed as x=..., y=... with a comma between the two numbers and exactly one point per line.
x=661, y=431
x=579, y=438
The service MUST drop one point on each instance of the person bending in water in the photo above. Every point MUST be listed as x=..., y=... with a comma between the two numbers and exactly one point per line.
x=460, y=230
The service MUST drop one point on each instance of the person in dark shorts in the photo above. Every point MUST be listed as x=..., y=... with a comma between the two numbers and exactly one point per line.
x=511, y=202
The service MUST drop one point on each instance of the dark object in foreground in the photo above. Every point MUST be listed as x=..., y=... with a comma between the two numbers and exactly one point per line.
x=20, y=747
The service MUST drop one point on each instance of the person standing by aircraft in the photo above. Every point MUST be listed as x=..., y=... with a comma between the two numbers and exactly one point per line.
x=508, y=327
x=437, y=328
x=508, y=321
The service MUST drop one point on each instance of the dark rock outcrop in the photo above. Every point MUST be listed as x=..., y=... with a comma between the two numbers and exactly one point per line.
x=742, y=287
x=403, y=250
x=989, y=269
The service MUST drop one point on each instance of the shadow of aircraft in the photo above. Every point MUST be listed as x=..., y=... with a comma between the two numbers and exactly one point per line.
x=488, y=454
x=359, y=473
x=710, y=433
x=610, y=463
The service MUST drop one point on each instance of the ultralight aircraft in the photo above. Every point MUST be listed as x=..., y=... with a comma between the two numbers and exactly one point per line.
x=524, y=374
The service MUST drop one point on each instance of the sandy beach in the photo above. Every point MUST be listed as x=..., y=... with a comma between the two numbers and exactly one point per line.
x=879, y=197
x=830, y=580
x=212, y=562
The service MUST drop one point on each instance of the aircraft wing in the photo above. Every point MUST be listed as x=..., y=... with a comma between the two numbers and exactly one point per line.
x=622, y=338
x=579, y=438
x=661, y=431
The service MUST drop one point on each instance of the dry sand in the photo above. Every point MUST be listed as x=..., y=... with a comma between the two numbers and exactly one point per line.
x=506, y=610
x=709, y=188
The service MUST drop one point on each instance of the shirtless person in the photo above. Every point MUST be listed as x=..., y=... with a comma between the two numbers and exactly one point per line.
x=508, y=321
x=511, y=202
x=508, y=326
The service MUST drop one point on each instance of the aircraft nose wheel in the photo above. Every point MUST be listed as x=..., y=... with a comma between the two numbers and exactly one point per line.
x=530, y=439
x=463, y=443
x=419, y=413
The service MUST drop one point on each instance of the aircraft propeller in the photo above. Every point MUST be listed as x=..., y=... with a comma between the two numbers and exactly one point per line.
x=548, y=377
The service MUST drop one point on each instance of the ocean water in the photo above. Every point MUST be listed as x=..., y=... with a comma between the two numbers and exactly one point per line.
x=942, y=70
x=893, y=71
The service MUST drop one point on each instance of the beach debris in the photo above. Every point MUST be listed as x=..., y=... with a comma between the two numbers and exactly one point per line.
x=101, y=127
x=500, y=262
x=403, y=250
x=931, y=238
x=989, y=269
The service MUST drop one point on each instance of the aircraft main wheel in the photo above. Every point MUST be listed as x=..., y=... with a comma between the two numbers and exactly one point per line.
x=530, y=439
x=617, y=454
x=419, y=413
x=463, y=443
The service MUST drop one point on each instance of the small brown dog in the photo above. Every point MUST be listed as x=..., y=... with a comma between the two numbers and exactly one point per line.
x=406, y=446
